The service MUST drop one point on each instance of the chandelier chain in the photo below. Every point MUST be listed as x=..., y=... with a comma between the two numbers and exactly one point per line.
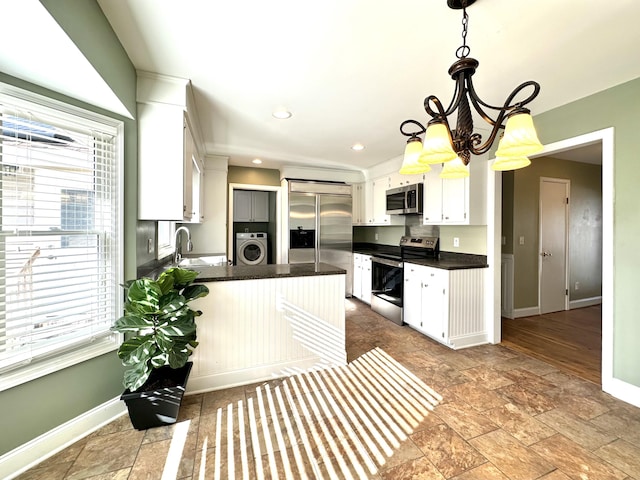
x=464, y=50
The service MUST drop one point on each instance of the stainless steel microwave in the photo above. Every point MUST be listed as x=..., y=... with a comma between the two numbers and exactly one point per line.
x=405, y=200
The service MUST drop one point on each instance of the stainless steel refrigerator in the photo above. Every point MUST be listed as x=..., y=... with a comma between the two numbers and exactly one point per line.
x=320, y=225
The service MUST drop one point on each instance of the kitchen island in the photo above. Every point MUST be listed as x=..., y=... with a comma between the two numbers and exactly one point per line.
x=267, y=321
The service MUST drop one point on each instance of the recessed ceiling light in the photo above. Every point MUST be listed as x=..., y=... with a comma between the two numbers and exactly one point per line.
x=257, y=161
x=357, y=147
x=281, y=114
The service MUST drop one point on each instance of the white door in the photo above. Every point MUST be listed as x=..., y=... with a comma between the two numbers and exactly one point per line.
x=554, y=216
x=412, y=295
x=434, y=284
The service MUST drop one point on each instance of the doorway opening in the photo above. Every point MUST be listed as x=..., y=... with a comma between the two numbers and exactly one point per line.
x=255, y=209
x=587, y=318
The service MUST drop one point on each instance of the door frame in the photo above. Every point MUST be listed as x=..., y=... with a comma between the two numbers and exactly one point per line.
x=615, y=387
x=567, y=191
x=278, y=220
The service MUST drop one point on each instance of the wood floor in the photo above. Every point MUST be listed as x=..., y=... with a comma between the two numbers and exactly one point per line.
x=570, y=340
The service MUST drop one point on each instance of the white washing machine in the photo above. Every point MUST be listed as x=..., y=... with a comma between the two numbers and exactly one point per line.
x=251, y=248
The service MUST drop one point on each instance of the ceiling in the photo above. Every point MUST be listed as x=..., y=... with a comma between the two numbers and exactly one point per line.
x=352, y=70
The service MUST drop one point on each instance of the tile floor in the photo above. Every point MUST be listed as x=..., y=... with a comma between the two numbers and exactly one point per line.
x=404, y=408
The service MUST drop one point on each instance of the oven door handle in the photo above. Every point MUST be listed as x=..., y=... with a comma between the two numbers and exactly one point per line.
x=384, y=261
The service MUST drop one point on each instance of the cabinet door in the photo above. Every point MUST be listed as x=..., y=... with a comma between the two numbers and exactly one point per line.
x=357, y=275
x=366, y=279
x=197, y=188
x=367, y=209
x=412, y=295
x=260, y=207
x=454, y=200
x=242, y=205
x=161, y=150
x=357, y=205
x=380, y=187
x=434, y=282
x=432, y=196
x=189, y=158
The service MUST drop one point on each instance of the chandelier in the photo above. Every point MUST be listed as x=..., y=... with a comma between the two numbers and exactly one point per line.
x=454, y=148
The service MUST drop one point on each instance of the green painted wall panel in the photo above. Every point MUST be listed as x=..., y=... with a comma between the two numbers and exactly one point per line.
x=36, y=407
x=253, y=176
x=616, y=107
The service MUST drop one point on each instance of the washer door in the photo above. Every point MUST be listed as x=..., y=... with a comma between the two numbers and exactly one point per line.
x=251, y=253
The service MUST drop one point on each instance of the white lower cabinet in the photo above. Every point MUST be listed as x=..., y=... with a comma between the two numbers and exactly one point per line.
x=362, y=277
x=446, y=305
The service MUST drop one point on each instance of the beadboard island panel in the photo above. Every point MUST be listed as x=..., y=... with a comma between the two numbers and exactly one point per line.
x=258, y=329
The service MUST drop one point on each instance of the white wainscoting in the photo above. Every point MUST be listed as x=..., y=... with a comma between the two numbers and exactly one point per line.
x=467, y=326
x=253, y=330
x=506, y=304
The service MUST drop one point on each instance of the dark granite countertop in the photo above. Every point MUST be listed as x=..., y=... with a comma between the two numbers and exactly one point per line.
x=256, y=272
x=446, y=260
x=453, y=261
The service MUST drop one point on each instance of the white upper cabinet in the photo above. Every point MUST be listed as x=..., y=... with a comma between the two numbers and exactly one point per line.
x=250, y=206
x=375, y=203
x=358, y=203
x=167, y=151
x=460, y=201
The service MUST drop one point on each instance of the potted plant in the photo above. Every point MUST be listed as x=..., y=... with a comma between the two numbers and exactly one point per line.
x=160, y=336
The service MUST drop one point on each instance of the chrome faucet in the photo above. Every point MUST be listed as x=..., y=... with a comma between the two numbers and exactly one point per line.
x=178, y=253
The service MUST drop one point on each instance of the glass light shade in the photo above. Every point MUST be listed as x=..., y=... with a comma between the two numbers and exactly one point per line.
x=437, y=146
x=410, y=164
x=520, y=138
x=455, y=169
x=510, y=163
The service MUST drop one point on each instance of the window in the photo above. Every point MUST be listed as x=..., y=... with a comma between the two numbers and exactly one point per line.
x=60, y=237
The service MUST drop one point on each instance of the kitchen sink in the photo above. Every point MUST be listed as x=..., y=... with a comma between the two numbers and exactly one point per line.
x=204, y=261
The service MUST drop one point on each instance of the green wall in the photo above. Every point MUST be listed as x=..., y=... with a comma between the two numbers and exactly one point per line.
x=585, y=227
x=253, y=176
x=36, y=407
x=618, y=108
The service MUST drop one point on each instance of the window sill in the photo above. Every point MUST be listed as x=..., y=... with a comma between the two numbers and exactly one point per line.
x=48, y=366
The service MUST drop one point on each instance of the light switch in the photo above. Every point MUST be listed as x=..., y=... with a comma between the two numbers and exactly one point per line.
x=522, y=240
x=456, y=242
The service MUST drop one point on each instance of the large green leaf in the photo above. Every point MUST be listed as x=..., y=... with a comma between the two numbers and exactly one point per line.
x=137, y=350
x=178, y=329
x=171, y=302
x=195, y=291
x=145, y=293
x=131, y=323
x=160, y=360
x=135, y=377
x=178, y=359
x=165, y=342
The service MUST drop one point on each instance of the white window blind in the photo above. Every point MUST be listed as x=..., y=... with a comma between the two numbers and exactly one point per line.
x=60, y=238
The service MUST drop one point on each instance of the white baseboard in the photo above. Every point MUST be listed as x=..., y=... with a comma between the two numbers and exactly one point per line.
x=219, y=381
x=622, y=390
x=28, y=455
x=585, y=302
x=466, y=341
x=525, y=312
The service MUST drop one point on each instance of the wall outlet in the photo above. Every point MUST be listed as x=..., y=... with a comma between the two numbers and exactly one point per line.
x=521, y=240
x=456, y=242
x=149, y=245
x=577, y=286
x=376, y=235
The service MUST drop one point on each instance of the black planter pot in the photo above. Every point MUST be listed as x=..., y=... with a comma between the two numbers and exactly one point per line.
x=155, y=407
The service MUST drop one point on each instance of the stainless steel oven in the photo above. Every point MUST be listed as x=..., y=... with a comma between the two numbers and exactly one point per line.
x=386, y=287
